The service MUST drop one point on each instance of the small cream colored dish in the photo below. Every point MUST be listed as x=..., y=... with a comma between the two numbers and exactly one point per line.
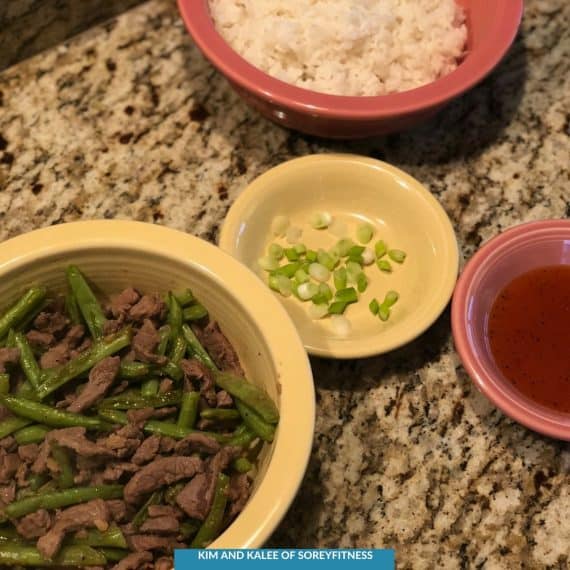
x=115, y=254
x=353, y=189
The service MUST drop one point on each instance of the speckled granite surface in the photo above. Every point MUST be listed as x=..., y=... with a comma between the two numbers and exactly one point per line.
x=129, y=121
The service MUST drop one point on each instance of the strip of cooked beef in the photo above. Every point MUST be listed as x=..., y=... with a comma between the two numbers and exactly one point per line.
x=8, y=356
x=149, y=307
x=120, y=387
x=40, y=464
x=41, y=340
x=139, y=417
x=162, y=471
x=167, y=444
x=28, y=453
x=134, y=561
x=122, y=303
x=113, y=326
x=85, y=344
x=197, y=496
x=195, y=371
x=219, y=348
x=145, y=342
x=51, y=322
x=118, y=509
x=101, y=376
x=8, y=443
x=147, y=451
x=197, y=442
x=34, y=525
x=142, y=542
x=165, y=386
x=7, y=494
x=74, y=438
x=61, y=352
x=92, y=514
x=238, y=493
x=224, y=400
x=164, y=563
x=161, y=525
x=114, y=471
x=164, y=511
x=124, y=442
x=22, y=475
x=9, y=463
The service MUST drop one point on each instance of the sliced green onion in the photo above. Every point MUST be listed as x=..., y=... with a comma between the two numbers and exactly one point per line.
x=293, y=234
x=284, y=285
x=318, y=311
x=353, y=269
x=291, y=254
x=319, y=272
x=325, y=290
x=355, y=250
x=368, y=256
x=301, y=276
x=348, y=295
x=364, y=232
x=397, y=255
x=383, y=312
x=337, y=308
x=341, y=325
x=307, y=291
x=391, y=298
x=288, y=270
x=339, y=278
x=273, y=282
x=311, y=255
x=275, y=251
x=320, y=220
x=361, y=282
x=268, y=263
x=279, y=226
x=327, y=260
x=343, y=246
x=300, y=248
x=374, y=306
x=384, y=265
x=380, y=249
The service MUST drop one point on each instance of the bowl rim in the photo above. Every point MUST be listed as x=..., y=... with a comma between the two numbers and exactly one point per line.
x=196, y=17
x=348, y=350
x=480, y=376
x=293, y=442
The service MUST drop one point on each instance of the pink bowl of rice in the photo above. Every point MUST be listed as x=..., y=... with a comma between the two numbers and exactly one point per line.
x=347, y=68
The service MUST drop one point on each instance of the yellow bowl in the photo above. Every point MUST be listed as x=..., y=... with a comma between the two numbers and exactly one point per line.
x=115, y=254
x=354, y=189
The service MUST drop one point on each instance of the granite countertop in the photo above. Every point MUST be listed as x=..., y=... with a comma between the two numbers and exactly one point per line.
x=129, y=121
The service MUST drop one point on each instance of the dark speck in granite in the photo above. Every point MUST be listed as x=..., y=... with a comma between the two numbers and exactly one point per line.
x=407, y=454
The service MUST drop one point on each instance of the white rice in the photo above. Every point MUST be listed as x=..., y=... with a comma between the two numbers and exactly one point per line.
x=346, y=47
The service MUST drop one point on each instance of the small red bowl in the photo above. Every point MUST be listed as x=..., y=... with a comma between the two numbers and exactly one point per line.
x=492, y=26
x=502, y=259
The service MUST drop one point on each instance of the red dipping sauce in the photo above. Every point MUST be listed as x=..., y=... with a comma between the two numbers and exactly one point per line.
x=529, y=333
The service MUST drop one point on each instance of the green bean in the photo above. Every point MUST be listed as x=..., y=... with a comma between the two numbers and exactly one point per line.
x=159, y=428
x=113, y=554
x=185, y=297
x=178, y=350
x=112, y=538
x=242, y=437
x=56, y=377
x=4, y=383
x=188, y=529
x=21, y=309
x=15, y=554
x=31, y=434
x=142, y=514
x=9, y=533
x=133, y=370
x=194, y=312
x=255, y=422
x=196, y=349
x=242, y=465
x=87, y=302
x=11, y=339
x=72, y=308
x=164, y=336
x=249, y=394
x=220, y=414
x=213, y=522
x=61, y=456
x=46, y=414
x=188, y=410
x=136, y=401
x=150, y=387
x=25, y=324
x=172, y=370
x=26, y=390
x=59, y=499
x=37, y=480
x=10, y=425
x=28, y=361
x=174, y=317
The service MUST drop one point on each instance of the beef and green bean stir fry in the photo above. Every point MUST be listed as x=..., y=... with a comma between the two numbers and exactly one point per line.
x=126, y=430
